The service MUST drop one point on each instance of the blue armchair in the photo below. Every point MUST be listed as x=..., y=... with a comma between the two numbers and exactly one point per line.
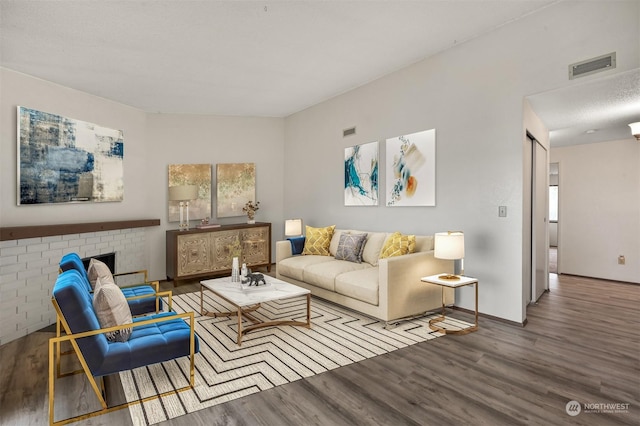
x=142, y=298
x=154, y=338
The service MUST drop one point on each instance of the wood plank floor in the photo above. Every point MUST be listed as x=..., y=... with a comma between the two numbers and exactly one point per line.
x=582, y=342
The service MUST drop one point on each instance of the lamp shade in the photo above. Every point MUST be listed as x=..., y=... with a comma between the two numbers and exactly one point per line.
x=635, y=130
x=183, y=193
x=292, y=227
x=449, y=245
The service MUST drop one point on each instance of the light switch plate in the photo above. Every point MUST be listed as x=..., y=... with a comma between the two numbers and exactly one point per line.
x=502, y=211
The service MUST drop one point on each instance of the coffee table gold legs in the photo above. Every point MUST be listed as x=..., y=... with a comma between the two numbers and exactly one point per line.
x=257, y=323
x=441, y=318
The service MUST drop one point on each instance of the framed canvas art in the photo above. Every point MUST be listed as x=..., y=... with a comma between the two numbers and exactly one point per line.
x=236, y=185
x=191, y=174
x=411, y=169
x=63, y=160
x=361, y=175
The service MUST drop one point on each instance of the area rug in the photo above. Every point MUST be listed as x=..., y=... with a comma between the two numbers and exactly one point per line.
x=268, y=357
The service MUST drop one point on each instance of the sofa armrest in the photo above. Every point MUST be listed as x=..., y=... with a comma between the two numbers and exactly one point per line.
x=283, y=250
x=400, y=286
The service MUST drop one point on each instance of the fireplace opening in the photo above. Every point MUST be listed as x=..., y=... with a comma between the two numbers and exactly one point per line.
x=109, y=259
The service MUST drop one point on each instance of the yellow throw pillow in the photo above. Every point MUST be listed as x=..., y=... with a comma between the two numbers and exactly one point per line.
x=397, y=245
x=317, y=240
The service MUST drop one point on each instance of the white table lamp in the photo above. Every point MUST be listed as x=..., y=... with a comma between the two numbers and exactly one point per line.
x=183, y=194
x=450, y=245
x=293, y=227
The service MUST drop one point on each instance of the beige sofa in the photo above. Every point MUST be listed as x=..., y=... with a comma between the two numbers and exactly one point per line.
x=388, y=289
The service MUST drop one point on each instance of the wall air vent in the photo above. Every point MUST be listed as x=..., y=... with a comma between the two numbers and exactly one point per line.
x=592, y=66
x=348, y=132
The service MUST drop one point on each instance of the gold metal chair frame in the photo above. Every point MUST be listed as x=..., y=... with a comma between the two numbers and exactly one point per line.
x=59, y=353
x=54, y=360
x=143, y=272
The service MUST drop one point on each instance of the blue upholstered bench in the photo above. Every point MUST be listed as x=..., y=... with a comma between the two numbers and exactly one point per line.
x=154, y=338
x=138, y=304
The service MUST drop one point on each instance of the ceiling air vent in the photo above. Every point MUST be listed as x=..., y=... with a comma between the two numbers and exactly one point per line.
x=593, y=65
x=348, y=132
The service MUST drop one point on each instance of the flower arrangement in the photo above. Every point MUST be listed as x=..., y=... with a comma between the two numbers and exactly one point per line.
x=250, y=208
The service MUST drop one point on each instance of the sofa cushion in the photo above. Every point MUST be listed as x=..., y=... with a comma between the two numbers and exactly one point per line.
x=97, y=269
x=398, y=245
x=112, y=309
x=361, y=285
x=335, y=241
x=323, y=274
x=318, y=240
x=293, y=267
x=350, y=247
x=424, y=243
x=373, y=246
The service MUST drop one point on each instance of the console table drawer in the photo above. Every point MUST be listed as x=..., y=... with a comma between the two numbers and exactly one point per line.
x=209, y=252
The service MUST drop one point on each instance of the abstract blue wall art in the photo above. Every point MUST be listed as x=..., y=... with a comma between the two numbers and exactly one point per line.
x=62, y=160
x=361, y=175
x=411, y=169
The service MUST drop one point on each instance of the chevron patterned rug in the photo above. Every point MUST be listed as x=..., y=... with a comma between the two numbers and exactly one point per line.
x=268, y=357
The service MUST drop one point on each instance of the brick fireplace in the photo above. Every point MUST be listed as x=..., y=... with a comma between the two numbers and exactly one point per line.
x=29, y=267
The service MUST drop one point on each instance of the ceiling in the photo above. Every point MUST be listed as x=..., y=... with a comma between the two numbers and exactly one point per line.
x=249, y=58
x=603, y=107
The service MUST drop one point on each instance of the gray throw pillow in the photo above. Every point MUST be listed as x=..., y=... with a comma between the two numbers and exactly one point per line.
x=112, y=309
x=350, y=247
x=98, y=269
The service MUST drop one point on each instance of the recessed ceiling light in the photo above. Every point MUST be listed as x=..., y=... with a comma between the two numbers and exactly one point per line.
x=591, y=131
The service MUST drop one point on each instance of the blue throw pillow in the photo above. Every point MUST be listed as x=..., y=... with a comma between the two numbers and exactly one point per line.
x=350, y=247
x=297, y=244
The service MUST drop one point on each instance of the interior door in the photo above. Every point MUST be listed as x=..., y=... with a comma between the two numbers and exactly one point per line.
x=539, y=222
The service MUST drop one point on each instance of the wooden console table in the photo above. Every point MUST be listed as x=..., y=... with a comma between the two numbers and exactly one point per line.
x=198, y=253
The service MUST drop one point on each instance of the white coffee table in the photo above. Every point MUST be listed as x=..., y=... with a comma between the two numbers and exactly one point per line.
x=248, y=300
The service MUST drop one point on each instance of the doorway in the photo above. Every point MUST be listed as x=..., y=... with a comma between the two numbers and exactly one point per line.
x=554, y=226
x=536, y=260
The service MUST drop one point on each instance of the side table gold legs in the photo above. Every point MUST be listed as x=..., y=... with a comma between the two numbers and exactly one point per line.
x=432, y=322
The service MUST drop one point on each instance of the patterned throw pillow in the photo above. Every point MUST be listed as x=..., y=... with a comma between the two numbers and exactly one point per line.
x=317, y=240
x=397, y=245
x=112, y=309
x=98, y=269
x=350, y=247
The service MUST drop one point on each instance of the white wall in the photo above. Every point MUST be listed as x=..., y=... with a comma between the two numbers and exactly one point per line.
x=473, y=96
x=203, y=139
x=22, y=90
x=152, y=142
x=600, y=209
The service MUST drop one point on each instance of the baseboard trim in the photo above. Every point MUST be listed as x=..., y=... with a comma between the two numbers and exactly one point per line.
x=491, y=317
x=600, y=279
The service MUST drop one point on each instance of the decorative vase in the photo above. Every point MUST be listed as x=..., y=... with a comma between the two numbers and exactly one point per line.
x=250, y=208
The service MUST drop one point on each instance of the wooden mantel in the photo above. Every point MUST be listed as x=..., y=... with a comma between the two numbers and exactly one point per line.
x=22, y=232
